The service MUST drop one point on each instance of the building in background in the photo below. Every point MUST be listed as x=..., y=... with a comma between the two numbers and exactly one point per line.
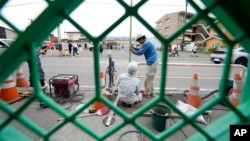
x=171, y=22
x=6, y=33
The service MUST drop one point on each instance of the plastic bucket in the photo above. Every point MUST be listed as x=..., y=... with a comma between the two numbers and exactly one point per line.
x=160, y=115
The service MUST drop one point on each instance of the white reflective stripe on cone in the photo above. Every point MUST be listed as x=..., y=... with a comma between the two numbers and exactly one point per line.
x=7, y=85
x=194, y=92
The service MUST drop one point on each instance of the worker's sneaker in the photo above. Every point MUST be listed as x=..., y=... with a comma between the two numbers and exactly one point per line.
x=146, y=96
x=152, y=95
x=45, y=86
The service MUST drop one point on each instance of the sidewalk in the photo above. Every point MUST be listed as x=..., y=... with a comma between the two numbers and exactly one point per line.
x=47, y=119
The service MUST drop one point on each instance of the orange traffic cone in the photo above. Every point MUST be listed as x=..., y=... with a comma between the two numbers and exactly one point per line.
x=194, y=98
x=21, y=81
x=9, y=92
x=97, y=104
x=237, y=89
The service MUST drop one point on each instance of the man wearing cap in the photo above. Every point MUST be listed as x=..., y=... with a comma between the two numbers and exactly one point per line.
x=129, y=86
x=149, y=51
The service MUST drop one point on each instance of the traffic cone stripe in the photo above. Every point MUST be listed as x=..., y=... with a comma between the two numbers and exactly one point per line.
x=194, y=98
x=102, y=80
x=237, y=76
x=238, y=84
x=8, y=84
x=9, y=91
x=237, y=89
x=101, y=74
x=19, y=76
x=195, y=88
x=21, y=81
x=97, y=104
x=193, y=92
x=237, y=96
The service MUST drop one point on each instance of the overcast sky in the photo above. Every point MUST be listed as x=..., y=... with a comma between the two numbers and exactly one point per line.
x=94, y=15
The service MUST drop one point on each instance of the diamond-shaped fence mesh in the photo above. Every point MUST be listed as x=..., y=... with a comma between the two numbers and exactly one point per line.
x=231, y=14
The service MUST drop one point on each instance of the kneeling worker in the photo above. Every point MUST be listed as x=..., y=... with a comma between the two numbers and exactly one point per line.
x=129, y=86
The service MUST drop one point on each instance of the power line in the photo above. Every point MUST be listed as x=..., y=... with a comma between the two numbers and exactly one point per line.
x=23, y=4
x=100, y=3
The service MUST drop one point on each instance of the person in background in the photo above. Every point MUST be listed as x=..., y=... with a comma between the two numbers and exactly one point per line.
x=70, y=48
x=66, y=48
x=194, y=51
x=129, y=86
x=75, y=49
x=101, y=49
x=149, y=51
x=176, y=51
x=170, y=51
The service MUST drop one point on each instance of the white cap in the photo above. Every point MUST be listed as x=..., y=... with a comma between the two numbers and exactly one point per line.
x=132, y=67
x=138, y=36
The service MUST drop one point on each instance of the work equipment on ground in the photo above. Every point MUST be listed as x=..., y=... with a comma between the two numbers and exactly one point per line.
x=100, y=112
x=194, y=98
x=160, y=115
x=237, y=89
x=65, y=85
x=110, y=75
x=21, y=81
x=97, y=104
x=8, y=91
x=111, y=119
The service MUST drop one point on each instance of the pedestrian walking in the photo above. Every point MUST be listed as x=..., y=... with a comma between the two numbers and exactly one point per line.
x=75, y=49
x=149, y=51
x=194, y=51
x=176, y=51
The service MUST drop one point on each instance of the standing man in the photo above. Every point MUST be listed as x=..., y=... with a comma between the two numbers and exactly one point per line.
x=66, y=48
x=101, y=49
x=129, y=86
x=75, y=49
x=149, y=51
x=70, y=48
x=40, y=51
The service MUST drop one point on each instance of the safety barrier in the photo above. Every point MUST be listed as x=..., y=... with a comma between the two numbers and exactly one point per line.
x=188, y=76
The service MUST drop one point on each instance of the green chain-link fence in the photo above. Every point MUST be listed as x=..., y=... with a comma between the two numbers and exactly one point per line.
x=232, y=14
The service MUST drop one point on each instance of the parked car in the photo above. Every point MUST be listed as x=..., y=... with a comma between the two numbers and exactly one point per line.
x=239, y=56
x=4, y=44
x=55, y=46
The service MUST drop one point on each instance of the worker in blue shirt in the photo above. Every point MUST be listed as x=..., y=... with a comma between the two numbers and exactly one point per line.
x=149, y=51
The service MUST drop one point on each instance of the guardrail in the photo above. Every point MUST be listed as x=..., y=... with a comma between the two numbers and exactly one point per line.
x=241, y=69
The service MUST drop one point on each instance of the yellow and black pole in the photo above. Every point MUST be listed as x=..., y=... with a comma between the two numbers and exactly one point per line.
x=130, y=33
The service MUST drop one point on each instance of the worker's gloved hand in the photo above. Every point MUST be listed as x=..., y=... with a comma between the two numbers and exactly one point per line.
x=131, y=47
x=43, y=52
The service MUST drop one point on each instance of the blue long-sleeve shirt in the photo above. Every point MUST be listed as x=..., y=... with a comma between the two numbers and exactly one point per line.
x=149, y=51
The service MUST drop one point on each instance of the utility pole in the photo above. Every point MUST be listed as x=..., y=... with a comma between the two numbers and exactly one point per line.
x=183, y=35
x=59, y=34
